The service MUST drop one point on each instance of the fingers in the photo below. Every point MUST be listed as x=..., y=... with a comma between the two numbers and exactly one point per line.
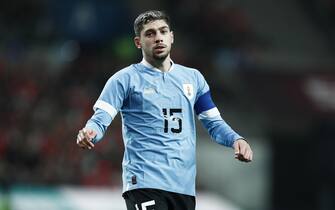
x=84, y=140
x=246, y=157
x=243, y=151
x=88, y=138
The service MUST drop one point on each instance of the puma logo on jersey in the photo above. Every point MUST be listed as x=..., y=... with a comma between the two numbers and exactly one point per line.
x=149, y=91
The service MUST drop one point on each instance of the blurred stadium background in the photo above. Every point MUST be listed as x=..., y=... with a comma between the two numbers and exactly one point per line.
x=270, y=64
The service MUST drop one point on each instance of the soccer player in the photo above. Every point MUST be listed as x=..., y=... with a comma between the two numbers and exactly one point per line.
x=158, y=99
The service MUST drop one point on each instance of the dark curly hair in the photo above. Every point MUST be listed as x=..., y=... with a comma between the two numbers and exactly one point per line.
x=147, y=17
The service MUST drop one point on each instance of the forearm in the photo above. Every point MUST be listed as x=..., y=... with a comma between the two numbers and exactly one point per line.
x=220, y=131
x=99, y=123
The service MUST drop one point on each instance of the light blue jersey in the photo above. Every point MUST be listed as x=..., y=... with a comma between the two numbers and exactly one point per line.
x=157, y=111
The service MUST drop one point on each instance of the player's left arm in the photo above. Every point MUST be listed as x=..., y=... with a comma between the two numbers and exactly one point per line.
x=219, y=130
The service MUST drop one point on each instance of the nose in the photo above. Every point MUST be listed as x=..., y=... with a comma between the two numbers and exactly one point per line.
x=158, y=38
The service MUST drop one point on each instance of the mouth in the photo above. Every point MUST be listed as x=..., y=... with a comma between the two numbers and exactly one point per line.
x=160, y=47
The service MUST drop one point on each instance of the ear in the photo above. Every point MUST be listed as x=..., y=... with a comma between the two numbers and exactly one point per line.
x=172, y=37
x=137, y=42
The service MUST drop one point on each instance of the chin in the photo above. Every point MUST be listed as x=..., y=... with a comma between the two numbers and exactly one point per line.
x=160, y=57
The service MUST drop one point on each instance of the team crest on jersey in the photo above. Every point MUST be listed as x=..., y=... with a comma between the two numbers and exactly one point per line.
x=188, y=90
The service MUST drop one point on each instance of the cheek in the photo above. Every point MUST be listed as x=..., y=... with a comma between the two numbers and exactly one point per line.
x=146, y=44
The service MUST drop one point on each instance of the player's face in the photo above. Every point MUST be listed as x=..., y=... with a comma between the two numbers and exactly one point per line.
x=155, y=40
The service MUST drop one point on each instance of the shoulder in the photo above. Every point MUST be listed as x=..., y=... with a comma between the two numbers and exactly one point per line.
x=189, y=70
x=125, y=75
x=122, y=77
x=126, y=72
x=184, y=68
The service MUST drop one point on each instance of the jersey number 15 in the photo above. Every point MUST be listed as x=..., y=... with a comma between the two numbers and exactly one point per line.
x=173, y=118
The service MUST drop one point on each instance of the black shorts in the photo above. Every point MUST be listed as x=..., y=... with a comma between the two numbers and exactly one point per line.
x=154, y=199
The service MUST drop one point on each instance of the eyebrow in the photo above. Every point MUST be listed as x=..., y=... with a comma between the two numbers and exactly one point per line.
x=160, y=28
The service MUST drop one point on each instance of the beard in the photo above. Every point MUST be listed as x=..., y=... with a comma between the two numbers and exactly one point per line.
x=161, y=56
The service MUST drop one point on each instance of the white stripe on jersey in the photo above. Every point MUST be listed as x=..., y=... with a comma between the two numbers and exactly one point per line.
x=106, y=107
x=213, y=112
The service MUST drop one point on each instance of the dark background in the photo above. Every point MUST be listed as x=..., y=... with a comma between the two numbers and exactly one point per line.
x=267, y=62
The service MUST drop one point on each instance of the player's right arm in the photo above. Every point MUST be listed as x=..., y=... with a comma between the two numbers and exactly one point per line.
x=94, y=130
x=105, y=109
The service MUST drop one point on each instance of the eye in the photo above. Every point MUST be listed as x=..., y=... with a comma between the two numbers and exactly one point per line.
x=149, y=34
x=164, y=31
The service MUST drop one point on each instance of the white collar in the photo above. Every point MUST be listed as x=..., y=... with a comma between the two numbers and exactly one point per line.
x=148, y=65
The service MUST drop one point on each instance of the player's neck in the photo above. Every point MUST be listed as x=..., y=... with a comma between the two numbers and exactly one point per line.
x=163, y=65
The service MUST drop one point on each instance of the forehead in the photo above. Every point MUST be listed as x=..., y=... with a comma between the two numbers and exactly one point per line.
x=156, y=24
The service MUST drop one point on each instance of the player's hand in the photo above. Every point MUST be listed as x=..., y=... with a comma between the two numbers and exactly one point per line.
x=243, y=151
x=85, y=137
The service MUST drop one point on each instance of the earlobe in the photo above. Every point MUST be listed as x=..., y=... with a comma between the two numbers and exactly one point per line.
x=137, y=42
